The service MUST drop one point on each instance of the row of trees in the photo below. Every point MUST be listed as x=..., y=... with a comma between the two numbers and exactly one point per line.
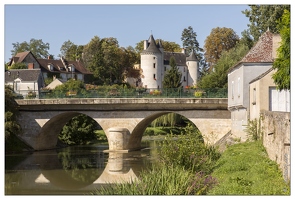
x=110, y=63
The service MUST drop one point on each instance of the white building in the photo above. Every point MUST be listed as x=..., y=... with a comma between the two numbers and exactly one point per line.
x=155, y=63
x=256, y=62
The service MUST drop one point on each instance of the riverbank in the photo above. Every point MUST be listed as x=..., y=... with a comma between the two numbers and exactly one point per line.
x=245, y=169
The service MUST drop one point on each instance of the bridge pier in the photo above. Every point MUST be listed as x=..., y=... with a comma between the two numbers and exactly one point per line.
x=118, y=139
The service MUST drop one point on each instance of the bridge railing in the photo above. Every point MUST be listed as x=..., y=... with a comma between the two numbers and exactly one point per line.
x=128, y=93
x=140, y=93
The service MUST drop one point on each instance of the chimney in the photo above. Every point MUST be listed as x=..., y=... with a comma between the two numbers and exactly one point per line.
x=145, y=44
x=48, y=57
x=31, y=66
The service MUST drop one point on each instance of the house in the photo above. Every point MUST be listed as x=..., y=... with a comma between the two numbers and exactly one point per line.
x=264, y=96
x=56, y=82
x=155, y=63
x=25, y=82
x=61, y=68
x=256, y=62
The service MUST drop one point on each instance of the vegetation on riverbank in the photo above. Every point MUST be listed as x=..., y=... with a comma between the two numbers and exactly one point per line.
x=245, y=169
x=188, y=167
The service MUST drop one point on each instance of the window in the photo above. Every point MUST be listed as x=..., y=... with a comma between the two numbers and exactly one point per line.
x=155, y=76
x=184, y=79
x=165, y=68
x=239, y=87
x=254, y=96
x=232, y=89
x=154, y=65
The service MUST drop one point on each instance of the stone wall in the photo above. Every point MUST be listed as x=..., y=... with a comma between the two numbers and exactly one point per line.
x=276, y=130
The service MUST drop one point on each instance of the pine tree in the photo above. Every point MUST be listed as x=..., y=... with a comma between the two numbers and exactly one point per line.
x=172, y=78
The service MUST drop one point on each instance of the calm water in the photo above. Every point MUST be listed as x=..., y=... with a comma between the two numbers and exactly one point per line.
x=73, y=170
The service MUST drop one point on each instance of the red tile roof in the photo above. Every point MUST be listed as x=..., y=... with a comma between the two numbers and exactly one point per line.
x=261, y=52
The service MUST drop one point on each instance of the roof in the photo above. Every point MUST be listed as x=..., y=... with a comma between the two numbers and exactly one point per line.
x=55, y=83
x=58, y=66
x=180, y=58
x=19, y=57
x=192, y=57
x=152, y=47
x=23, y=74
x=264, y=51
x=262, y=75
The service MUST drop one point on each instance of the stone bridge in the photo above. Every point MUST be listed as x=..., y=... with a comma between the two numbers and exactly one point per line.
x=123, y=120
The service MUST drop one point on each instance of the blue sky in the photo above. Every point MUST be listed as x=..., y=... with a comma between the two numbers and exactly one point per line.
x=130, y=24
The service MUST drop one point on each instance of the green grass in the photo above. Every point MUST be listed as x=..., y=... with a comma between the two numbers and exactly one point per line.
x=245, y=169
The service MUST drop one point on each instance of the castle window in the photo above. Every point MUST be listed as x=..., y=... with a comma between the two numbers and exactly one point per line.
x=184, y=79
x=254, y=96
x=154, y=65
x=165, y=68
x=154, y=58
x=155, y=76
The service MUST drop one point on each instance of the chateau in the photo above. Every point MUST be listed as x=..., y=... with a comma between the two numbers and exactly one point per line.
x=155, y=63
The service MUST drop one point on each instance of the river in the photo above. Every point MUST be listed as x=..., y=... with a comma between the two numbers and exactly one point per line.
x=76, y=170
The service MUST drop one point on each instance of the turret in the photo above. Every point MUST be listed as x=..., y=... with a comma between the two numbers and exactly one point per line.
x=151, y=64
x=193, y=69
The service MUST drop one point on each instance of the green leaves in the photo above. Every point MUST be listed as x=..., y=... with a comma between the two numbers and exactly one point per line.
x=172, y=78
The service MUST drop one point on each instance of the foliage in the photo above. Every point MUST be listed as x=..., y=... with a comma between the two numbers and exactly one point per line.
x=184, y=171
x=188, y=150
x=18, y=66
x=163, y=180
x=245, y=169
x=70, y=51
x=70, y=85
x=172, y=78
x=218, y=77
x=170, y=119
x=219, y=40
x=190, y=43
x=253, y=130
x=79, y=130
x=37, y=47
x=107, y=61
x=263, y=17
x=282, y=76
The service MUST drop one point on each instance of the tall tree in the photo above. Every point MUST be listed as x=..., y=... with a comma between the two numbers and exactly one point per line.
x=189, y=41
x=263, y=17
x=218, y=77
x=172, y=79
x=37, y=47
x=219, y=40
x=282, y=64
x=71, y=51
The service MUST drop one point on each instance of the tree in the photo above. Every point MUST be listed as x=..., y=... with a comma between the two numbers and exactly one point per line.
x=79, y=130
x=37, y=47
x=218, y=77
x=219, y=40
x=70, y=51
x=18, y=66
x=189, y=40
x=172, y=79
x=282, y=64
x=263, y=17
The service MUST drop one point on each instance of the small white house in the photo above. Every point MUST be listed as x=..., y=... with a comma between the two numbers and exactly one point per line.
x=25, y=82
x=256, y=62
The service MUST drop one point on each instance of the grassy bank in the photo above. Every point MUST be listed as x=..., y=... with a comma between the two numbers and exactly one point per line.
x=245, y=169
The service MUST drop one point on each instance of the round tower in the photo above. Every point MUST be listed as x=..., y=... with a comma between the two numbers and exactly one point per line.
x=151, y=64
x=193, y=69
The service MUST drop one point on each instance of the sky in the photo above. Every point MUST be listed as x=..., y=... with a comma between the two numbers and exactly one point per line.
x=129, y=24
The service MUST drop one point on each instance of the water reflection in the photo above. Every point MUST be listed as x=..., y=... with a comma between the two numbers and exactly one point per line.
x=73, y=170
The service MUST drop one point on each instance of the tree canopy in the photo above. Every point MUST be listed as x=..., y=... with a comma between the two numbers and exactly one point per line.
x=219, y=40
x=218, y=77
x=263, y=17
x=172, y=78
x=37, y=47
x=282, y=64
x=189, y=41
x=71, y=51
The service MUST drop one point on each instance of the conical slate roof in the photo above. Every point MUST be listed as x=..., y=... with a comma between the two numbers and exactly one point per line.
x=152, y=48
x=192, y=57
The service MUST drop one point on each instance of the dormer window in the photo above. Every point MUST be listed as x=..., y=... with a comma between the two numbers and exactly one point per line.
x=72, y=68
x=50, y=66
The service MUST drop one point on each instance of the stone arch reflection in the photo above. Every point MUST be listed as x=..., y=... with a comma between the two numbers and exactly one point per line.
x=82, y=170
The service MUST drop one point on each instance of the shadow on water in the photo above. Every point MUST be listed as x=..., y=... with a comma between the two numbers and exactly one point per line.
x=72, y=170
